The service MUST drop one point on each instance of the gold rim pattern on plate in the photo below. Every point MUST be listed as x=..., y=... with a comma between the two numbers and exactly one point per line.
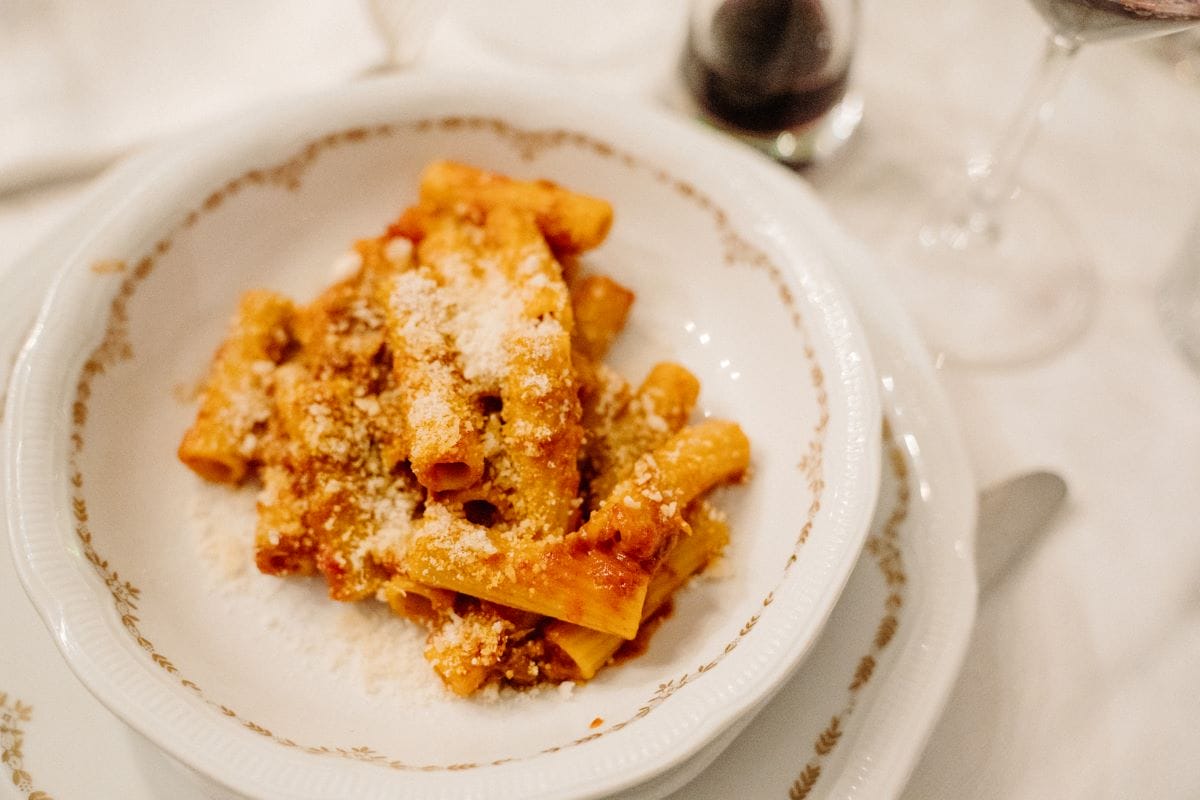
x=116, y=347
x=14, y=716
x=883, y=545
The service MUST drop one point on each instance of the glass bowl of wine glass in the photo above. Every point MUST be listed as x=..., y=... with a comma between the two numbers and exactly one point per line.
x=994, y=272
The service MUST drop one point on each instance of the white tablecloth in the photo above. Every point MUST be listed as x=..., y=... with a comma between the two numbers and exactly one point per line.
x=1080, y=681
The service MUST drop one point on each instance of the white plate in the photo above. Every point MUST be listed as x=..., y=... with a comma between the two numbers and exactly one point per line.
x=225, y=682
x=73, y=748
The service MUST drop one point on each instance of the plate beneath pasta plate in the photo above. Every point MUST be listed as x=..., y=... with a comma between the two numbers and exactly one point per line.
x=262, y=686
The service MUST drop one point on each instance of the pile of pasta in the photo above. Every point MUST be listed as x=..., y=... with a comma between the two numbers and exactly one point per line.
x=439, y=431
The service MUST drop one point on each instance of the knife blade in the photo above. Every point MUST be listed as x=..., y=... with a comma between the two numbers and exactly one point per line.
x=1012, y=516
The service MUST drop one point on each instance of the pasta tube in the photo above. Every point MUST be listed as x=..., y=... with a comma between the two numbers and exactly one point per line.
x=222, y=442
x=283, y=545
x=642, y=514
x=571, y=222
x=590, y=649
x=590, y=588
x=440, y=416
x=541, y=431
x=601, y=306
x=659, y=409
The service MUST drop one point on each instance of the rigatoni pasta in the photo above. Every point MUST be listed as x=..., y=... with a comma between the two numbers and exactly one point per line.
x=590, y=649
x=439, y=431
x=223, y=442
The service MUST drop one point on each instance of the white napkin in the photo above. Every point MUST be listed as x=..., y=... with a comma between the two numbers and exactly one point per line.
x=83, y=82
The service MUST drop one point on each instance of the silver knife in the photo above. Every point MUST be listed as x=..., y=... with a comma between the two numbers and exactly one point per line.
x=1012, y=516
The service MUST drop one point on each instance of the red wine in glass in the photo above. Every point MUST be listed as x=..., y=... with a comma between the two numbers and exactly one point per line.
x=763, y=66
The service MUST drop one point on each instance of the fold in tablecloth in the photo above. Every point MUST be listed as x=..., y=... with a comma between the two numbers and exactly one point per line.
x=82, y=82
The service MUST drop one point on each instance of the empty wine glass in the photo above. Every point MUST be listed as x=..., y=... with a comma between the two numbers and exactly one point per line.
x=995, y=274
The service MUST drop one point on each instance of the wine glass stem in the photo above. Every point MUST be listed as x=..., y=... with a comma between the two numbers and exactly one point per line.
x=997, y=181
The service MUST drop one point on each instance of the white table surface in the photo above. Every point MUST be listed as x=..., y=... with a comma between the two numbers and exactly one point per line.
x=1081, y=679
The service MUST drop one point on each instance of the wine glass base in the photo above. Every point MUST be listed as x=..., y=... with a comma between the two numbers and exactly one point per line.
x=996, y=295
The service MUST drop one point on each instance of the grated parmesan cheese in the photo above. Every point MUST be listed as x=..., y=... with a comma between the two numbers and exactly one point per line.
x=289, y=619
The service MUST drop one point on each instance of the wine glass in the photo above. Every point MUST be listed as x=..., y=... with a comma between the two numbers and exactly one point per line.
x=775, y=74
x=995, y=273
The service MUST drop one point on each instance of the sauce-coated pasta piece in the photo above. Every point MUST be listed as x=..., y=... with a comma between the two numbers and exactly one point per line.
x=571, y=222
x=235, y=407
x=642, y=514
